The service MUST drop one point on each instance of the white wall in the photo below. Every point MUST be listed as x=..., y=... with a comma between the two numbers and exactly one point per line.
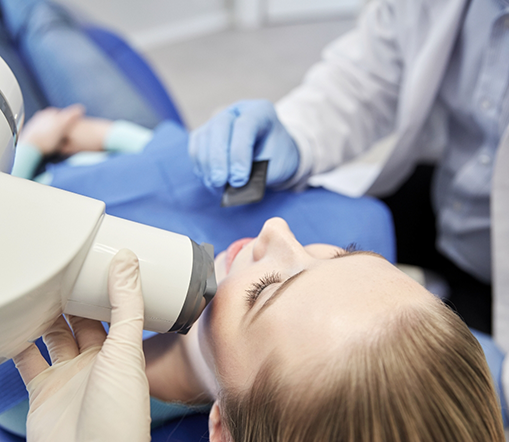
x=147, y=23
x=287, y=10
x=257, y=13
x=150, y=23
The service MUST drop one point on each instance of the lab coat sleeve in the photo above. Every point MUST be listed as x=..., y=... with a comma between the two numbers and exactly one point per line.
x=349, y=99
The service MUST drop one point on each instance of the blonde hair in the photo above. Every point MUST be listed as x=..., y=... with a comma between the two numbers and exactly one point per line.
x=422, y=377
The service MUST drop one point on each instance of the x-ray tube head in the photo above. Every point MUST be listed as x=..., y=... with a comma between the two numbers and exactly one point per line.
x=177, y=275
x=56, y=248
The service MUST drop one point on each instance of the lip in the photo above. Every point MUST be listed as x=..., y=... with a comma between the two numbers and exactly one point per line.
x=233, y=250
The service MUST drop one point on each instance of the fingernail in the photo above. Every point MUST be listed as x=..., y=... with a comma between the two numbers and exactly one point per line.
x=217, y=179
x=238, y=181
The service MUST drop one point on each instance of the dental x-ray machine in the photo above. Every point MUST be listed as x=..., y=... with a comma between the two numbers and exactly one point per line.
x=56, y=246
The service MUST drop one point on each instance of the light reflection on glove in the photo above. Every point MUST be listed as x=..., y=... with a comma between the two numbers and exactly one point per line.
x=96, y=388
x=224, y=148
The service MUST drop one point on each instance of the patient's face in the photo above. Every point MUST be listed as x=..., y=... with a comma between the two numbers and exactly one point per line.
x=278, y=298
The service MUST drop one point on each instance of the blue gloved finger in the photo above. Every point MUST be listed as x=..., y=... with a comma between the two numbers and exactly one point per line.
x=196, y=138
x=200, y=138
x=245, y=133
x=202, y=161
x=209, y=149
x=60, y=342
x=218, y=161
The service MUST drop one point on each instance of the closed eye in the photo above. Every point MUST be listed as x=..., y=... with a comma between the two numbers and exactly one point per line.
x=256, y=289
x=351, y=250
x=348, y=250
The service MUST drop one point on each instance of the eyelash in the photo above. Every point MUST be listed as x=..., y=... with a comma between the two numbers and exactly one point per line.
x=253, y=292
x=348, y=249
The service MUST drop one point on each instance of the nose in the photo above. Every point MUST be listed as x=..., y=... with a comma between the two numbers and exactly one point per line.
x=276, y=239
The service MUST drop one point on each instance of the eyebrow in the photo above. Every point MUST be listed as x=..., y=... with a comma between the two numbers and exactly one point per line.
x=287, y=283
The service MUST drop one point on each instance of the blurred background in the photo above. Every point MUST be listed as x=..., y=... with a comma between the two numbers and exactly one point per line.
x=210, y=53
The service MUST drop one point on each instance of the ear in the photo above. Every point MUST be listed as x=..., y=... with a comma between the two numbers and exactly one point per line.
x=217, y=431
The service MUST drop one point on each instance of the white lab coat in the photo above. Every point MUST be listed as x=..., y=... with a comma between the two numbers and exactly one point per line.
x=367, y=113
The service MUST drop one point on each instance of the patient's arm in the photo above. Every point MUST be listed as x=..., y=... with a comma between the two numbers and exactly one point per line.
x=48, y=129
x=88, y=134
x=96, y=134
x=44, y=134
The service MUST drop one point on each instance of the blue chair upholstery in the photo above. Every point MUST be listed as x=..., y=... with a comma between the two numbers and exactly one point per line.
x=5, y=436
x=495, y=358
x=192, y=428
x=136, y=70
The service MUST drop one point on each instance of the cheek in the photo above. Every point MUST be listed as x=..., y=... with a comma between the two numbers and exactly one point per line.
x=234, y=350
x=220, y=267
x=220, y=325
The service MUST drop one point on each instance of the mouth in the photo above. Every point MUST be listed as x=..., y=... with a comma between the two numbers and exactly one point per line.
x=233, y=251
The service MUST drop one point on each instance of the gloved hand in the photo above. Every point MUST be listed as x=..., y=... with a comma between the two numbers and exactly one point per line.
x=224, y=148
x=96, y=389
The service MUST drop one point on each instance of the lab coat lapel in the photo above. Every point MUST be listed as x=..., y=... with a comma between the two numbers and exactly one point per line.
x=426, y=60
x=500, y=243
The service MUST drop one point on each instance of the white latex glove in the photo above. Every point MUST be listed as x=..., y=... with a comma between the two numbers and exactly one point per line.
x=96, y=389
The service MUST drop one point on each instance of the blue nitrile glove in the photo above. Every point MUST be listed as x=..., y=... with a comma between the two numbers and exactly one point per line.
x=224, y=148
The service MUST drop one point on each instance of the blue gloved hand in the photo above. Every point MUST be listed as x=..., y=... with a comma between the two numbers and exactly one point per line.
x=224, y=148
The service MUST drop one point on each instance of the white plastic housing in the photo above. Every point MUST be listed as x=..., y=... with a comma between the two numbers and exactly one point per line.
x=55, y=251
x=166, y=261
x=45, y=235
x=56, y=247
x=11, y=108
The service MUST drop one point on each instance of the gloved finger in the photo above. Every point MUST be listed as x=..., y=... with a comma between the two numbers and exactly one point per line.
x=88, y=333
x=124, y=287
x=30, y=363
x=219, y=157
x=60, y=341
x=245, y=133
x=198, y=150
x=209, y=147
x=193, y=148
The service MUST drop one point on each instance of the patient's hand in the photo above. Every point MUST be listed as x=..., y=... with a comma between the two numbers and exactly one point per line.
x=48, y=128
x=88, y=134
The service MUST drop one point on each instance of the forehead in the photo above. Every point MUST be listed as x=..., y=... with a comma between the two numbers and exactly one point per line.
x=352, y=275
x=338, y=296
